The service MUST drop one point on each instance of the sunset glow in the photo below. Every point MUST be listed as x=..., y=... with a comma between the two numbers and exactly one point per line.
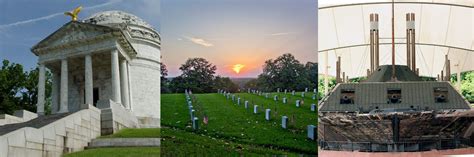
x=237, y=68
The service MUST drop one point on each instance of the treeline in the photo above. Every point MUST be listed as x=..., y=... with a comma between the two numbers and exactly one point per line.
x=198, y=75
x=18, y=88
x=285, y=72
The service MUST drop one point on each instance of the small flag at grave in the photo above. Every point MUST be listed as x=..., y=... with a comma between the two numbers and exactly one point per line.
x=205, y=120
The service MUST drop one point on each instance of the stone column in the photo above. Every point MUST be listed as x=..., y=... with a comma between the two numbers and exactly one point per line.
x=124, y=83
x=55, y=92
x=115, y=77
x=88, y=80
x=41, y=90
x=63, y=98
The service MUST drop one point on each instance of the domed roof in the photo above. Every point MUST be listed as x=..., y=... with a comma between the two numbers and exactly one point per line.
x=113, y=18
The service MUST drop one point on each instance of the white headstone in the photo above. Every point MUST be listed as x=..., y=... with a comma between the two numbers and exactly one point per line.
x=312, y=132
x=196, y=123
x=313, y=107
x=267, y=114
x=278, y=90
x=286, y=91
x=297, y=103
x=284, y=122
x=315, y=90
x=275, y=97
x=255, y=109
x=305, y=89
x=266, y=95
x=293, y=92
x=284, y=100
x=314, y=96
x=246, y=104
x=302, y=94
x=192, y=114
x=238, y=101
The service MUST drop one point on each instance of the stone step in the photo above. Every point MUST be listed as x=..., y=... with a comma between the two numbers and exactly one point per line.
x=124, y=142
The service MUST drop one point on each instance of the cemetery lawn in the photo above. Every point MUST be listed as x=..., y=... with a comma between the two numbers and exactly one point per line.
x=118, y=152
x=136, y=133
x=233, y=124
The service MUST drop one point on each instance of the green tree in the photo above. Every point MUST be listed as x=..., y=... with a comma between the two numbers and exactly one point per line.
x=198, y=75
x=226, y=84
x=18, y=89
x=164, y=81
x=285, y=72
x=11, y=82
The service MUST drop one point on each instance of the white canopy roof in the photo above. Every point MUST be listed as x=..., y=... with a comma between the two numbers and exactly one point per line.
x=442, y=27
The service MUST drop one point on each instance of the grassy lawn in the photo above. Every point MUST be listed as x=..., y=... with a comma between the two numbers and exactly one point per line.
x=118, y=152
x=136, y=133
x=233, y=123
x=177, y=142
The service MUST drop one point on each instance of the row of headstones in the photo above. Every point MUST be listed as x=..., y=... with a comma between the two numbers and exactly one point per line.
x=284, y=119
x=275, y=98
x=260, y=93
x=194, y=119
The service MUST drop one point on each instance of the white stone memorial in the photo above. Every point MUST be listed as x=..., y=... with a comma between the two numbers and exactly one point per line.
x=284, y=100
x=297, y=103
x=196, y=123
x=255, y=109
x=302, y=94
x=313, y=107
x=293, y=92
x=110, y=58
x=312, y=132
x=275, y=97
x=246, y=104
x=192, y=114
x=284, y=122
x=305, y=89
x=267, y=114
x=238, y=101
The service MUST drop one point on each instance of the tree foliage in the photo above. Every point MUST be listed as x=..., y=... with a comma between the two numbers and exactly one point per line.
x=285, y=72
x=198, y=75
x=18, y=88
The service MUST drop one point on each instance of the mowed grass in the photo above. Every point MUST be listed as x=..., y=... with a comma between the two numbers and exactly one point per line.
x=118, y=152
x=135, y=133
x=177, y=142
x=233, y=123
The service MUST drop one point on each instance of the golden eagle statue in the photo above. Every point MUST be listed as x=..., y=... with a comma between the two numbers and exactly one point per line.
x=74, y=13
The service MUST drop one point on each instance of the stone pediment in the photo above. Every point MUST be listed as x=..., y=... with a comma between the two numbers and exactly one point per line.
x=74, y=32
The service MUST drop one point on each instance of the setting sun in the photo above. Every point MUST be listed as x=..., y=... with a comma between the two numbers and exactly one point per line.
x=237, y=67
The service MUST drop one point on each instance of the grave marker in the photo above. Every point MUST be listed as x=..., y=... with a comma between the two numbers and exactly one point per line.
x=284, y=122
x=284, y=100
x=313, y=107
x=314, y=96
x=293, y=92
x=305, y=89
x=246, y=104
x=255, y=109
x=192, y=114
x=267, y=114
x=275, y=97
x=312, y=132
x=196, y=123
x=297, y=103
x=238, y=101
x=302, y=94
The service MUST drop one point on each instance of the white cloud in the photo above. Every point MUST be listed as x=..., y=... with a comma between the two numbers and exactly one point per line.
x=200, y=41
x=281, y=33
x=47, y=17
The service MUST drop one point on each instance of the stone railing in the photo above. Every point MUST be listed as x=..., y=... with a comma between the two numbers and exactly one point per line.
x=19, y=116
x=62, y=133
x=115, y=117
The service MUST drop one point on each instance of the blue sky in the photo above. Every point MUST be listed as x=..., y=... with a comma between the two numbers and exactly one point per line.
x=23, y=23
x=229, y=32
